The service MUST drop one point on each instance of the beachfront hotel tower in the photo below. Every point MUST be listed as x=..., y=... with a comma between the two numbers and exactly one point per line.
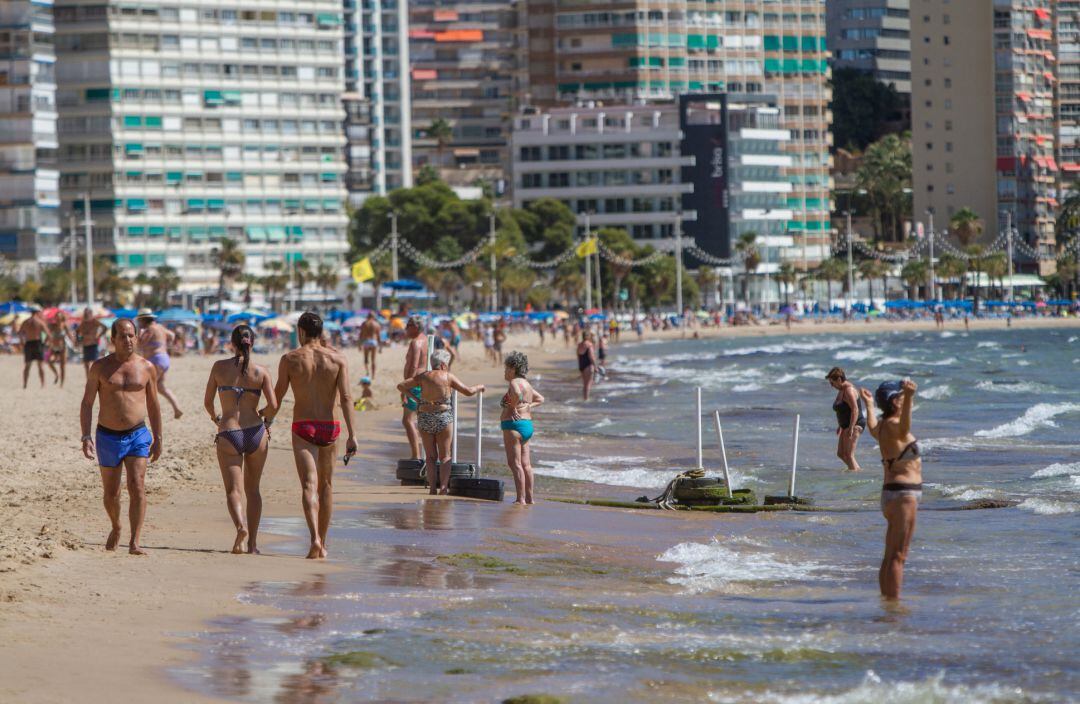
x=464, y=61
x=632, y=51
x=377, y=99
x=873, y=36
x=30, y=228
x=189, y=122
x=983, y=131
x=1067, y=92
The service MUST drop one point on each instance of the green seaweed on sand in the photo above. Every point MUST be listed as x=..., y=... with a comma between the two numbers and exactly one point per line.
x=459, y=671
x=714, y=495
x=473, y=560
x=534, y=699
x=357, y=660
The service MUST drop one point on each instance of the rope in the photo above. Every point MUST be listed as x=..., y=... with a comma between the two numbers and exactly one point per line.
x=522, y=260
x=616, y=258
x=424, y=260
x=666, y=500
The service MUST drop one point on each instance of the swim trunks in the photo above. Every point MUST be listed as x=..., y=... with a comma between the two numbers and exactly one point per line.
x=90, y=353
x=160, y=360
x=34, y=351
x=370, y=342
x=523, y=427
x=411, y=403
x=317, y=432
x=898, y=490
x=114, y=445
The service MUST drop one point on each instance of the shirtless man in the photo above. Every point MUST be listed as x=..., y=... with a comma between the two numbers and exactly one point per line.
x=88, y=334
x=154, y=343
x=317, y=373
x=32, y=332
x=58, y=339
x=369, y=343
x=415, y=363
x=126, y=385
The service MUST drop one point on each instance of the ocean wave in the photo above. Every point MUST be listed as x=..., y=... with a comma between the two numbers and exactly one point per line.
x=873, y=690
x=987, y=344
x=614, y=471
x=1048, y=507
x=1014, y=387
x=967, y=493
x=712, y=566
x=888, y=361
x=857, y=355
x=1039, y=415
x=1073, y=338
x=1057, y=469
x=786, y=347
x=948, y=334
x=743, y=388
x=936, y=393
x=785, y=379
x=602, y=423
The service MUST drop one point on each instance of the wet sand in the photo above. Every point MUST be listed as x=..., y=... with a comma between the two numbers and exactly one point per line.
x=73, y=628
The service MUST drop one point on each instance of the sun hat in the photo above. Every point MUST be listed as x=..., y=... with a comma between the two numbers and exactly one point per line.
x=885, y=393
x=145, y=313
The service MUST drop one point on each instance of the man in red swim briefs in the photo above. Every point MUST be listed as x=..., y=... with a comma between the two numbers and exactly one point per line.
x=317, y=374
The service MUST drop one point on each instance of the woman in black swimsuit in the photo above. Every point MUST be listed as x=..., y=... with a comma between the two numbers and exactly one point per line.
x=586, y=355
x=850, y=412
x=242, y=439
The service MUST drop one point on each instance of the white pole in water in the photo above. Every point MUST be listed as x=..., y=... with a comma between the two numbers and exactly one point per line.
x=479, y=425
x=723, y=453
x=700, y=462
x=453, y=411
x=794, y=456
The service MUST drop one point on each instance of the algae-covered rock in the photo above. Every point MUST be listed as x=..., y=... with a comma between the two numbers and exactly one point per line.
x=478, y=561
x=534, y=699
x=713, y=496
x=357, y=660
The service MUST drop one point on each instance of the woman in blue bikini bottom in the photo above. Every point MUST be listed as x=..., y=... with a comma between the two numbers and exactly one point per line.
x=517, y=424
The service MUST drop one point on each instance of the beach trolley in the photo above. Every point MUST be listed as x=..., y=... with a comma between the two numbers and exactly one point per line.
x=472, y=485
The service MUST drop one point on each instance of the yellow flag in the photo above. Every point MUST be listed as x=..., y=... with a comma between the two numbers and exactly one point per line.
x=586, y=248
x=362, y=271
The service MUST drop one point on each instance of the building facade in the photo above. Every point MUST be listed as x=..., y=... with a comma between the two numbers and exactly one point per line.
x=188, y=123
x=630, y=51
x=711, y=165
x=983, y=116
x=464, y=59
x=30, y=229
x=873, y=36
x=377, y=99
x=1066, y=15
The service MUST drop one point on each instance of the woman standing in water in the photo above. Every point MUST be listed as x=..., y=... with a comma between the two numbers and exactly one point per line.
x=516, y=424
x=850, y=412
x=902, y=489
x=435, y=416
x=243, y=439
x=586, y=364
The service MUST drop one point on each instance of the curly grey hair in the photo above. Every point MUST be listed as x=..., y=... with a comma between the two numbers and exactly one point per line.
x=440, y=357
x=519, y=362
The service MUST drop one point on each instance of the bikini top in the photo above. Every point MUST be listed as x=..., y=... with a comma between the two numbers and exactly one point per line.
x=505, y=403
x=239, y=390
x=910, y=452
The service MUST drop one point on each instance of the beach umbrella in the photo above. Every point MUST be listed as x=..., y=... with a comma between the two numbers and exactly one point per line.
x=250, y=315
x=561, y=315
x=279, y=324
x=13, y=307
x=179, y=315
x=405, y=285
x=331, y=326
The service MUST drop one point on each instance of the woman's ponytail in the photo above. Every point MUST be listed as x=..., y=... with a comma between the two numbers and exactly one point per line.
x=243, y=337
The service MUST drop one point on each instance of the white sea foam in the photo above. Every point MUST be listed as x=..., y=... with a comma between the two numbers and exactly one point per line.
x=1038, y=416
x=856, y=355
x=712, y=566
x=936, y=393
x=1073, y=338
x=1058, y=469
x=615, y=471
x=743, y=388
x=786, y=347
x=948, y=334
x=987, y=344
x=907, y=361
x=602, y=423
x=873, y=690
x=1014, y=387
x=967, y=493
x=1048, y=507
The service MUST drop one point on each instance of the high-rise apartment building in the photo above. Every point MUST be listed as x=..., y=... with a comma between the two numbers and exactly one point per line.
x=29, y=180
x=873, y=36
x=1066, y=15
x=464, y=60
x=639, y=50
x=377, y=99
x=188, y=123
x=983, y=115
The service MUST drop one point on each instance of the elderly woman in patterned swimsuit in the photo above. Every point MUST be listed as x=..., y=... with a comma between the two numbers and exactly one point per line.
x=435, y=416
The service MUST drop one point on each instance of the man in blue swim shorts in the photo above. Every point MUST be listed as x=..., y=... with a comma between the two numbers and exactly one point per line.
x=127, y=387
x=415, y=363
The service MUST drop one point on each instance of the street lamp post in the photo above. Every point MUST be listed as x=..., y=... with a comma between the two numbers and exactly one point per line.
x=588, y=266
x=933, y=277
x=1009, y=241
x=850, y=269
x=678, y=268
x=73, y=251
x=88, y=224
x=494, y=263
x=393, y=245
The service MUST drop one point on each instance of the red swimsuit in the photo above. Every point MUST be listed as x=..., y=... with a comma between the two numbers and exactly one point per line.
x=317, y=432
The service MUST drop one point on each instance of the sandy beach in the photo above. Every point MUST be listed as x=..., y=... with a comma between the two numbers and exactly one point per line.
x=80, y=624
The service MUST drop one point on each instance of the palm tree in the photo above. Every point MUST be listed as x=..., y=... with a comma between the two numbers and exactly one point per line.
x=1067, y=231
x=953, y=267
x=785, y=279
x=967, y=225
x=165, y=281
x=870, y=269
x=142, y=284
x=569, y=282
x=229, y=260
x=996, y=266
x=326, y=278
x=885, y=175
x=830, y=270
x=914, y=274
x=301, y=277
x=275, y=281
x=620, y=243
x=976, y=263
x=516, y=281
x=109, y=282
x=441, y=131
x=746, y=246
x=707, y=281
x=249, y=281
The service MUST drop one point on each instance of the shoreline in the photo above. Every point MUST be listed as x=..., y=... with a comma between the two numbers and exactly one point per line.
x=70, y=627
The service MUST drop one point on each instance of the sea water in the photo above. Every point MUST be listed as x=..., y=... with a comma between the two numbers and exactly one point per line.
x=462, y=601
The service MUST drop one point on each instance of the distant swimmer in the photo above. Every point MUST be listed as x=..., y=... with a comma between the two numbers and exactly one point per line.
x=850, y=412
x=369, y=342
x=126, y=386
x=242, y=439
x=415, y=363
x=318, y=374
x=586, y=355
x=32, y=332
x=154, y=342
x=516, y=423
x=88, y=334
x=431, y=390
x=902, y=488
